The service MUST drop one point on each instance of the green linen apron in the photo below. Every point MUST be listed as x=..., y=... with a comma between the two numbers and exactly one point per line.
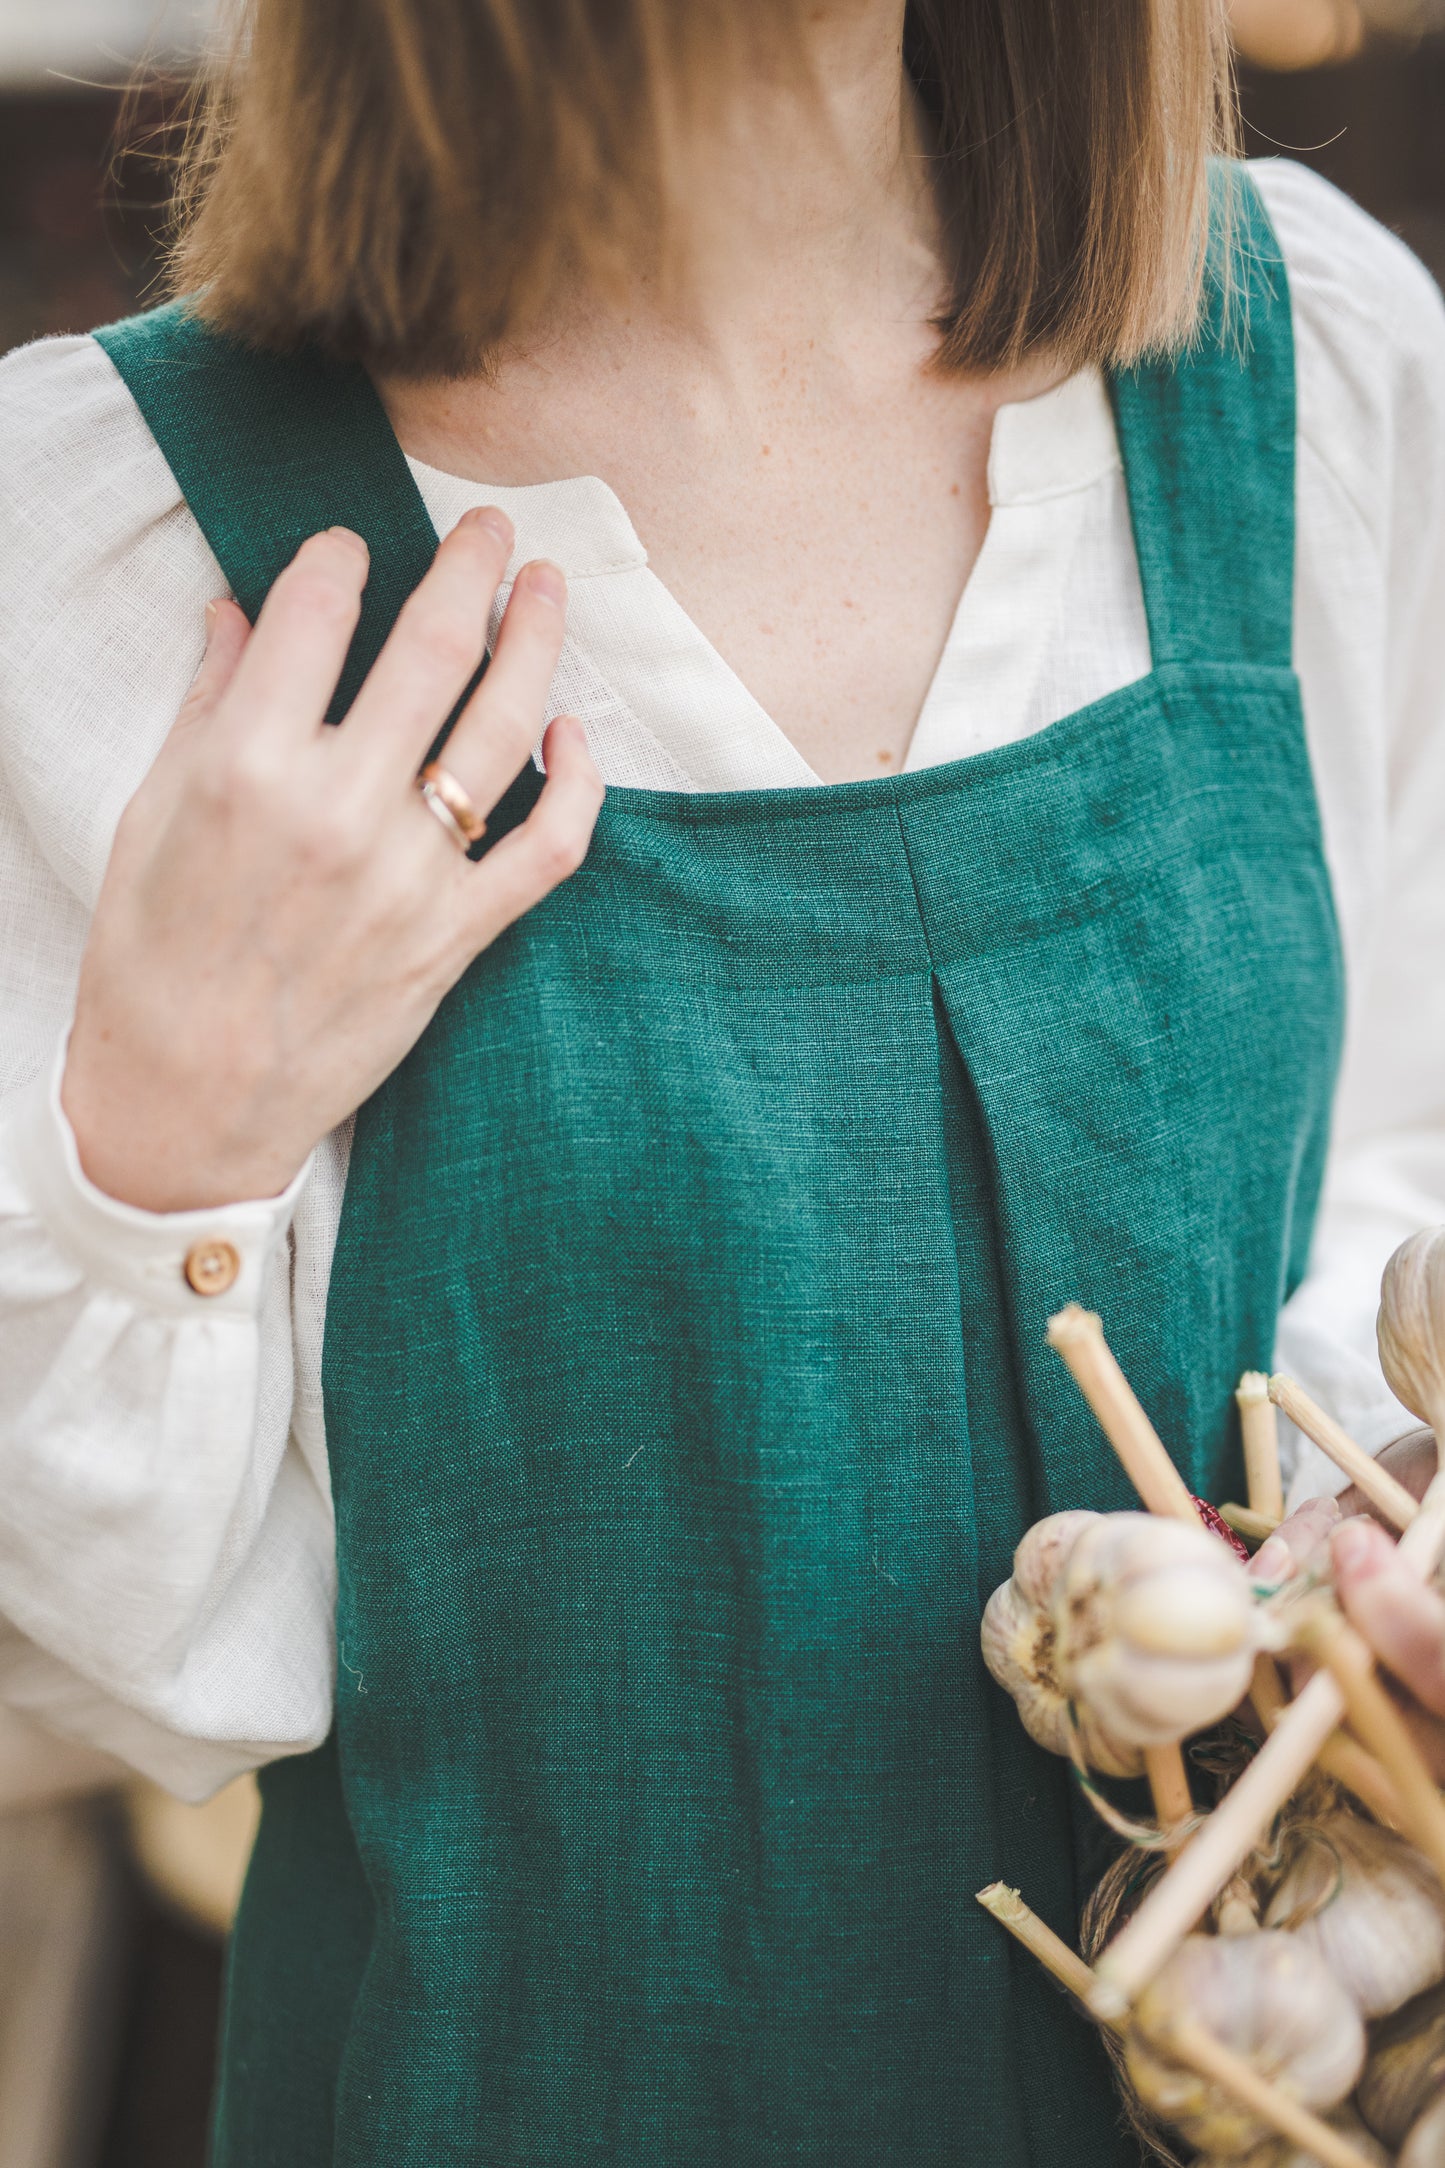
x=685, y=1382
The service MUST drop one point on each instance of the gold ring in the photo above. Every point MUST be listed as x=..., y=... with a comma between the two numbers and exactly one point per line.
x=451, y=804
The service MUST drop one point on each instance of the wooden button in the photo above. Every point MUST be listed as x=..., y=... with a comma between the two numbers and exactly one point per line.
x=212, y=1267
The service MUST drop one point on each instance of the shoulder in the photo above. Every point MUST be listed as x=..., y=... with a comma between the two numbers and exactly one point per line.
x=1369, y=341
x=83, y=485
x=71, y=436
x=104, y=578
x=1333, y=248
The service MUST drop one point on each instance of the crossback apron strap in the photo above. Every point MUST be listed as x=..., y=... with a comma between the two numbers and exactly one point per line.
x=269, y=449
x=1208, y=441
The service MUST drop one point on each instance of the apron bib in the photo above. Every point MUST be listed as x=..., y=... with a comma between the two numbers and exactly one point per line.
x=686, y=1390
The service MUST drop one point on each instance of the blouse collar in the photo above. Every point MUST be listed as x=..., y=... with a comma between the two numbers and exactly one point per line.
x=578, y=523
x=1062, y=441
x=1050, y=446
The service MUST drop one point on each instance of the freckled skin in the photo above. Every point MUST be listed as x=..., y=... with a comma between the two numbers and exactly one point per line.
x=824, y=561
x=811, y=489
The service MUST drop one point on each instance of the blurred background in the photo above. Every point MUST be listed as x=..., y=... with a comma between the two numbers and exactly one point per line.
x=113, y=1900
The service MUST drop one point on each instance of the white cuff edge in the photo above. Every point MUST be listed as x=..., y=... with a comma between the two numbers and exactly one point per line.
x=135, y=1252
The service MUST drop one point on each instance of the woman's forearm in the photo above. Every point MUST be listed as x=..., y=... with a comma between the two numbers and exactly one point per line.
x=166, y=1554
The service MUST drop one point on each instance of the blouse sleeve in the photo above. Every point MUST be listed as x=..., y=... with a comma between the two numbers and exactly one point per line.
x=166, y=1546
x=1370, y=343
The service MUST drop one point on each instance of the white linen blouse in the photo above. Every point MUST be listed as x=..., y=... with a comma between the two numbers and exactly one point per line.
x=167, y=1558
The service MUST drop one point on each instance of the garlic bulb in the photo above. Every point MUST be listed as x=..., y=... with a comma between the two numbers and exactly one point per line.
x=1270, y=2000
x=1157, y=1627
x=1369, y=1903
x=1406, y=2065
x=1425, y=2146
x=1145, y=1626
x=1411, y=1325
x=1020, y=1647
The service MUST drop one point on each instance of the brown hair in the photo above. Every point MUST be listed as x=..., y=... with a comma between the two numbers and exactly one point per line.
x=403, y=180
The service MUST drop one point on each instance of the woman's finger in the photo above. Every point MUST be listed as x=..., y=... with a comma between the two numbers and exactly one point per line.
x=433, y=650
x=293, y=659
x=502, y=721
x=1294, y=1542
x=1401, y=1617
x=227, y=633
x=548, y=847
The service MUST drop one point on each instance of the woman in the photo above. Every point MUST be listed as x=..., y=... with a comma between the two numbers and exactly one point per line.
x=933, y=960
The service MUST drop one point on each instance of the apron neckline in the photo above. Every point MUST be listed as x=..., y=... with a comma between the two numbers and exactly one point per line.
x=1060, y=740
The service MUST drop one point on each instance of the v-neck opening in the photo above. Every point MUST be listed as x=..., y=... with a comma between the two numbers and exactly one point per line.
x=1224, y=591
x=757, y=738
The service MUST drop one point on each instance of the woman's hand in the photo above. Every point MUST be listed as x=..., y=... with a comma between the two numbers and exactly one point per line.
x=282, y=913
x=1399, y=1615
x=1402, y=1618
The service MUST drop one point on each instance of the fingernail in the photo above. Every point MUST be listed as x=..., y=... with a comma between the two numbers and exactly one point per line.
x=547, y=581
x=1359, y=1548
x=346, y=534
x=1273, y=1561
x=494, y=521
x=213, y=611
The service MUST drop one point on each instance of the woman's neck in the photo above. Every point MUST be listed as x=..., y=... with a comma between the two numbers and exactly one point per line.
x=807, y=486
x=806, y=199
x=795, y=210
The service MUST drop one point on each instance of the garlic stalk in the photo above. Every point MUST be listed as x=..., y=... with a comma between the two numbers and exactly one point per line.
x=1279, y=2153
x=1369, y=1904
x=1271, y=2001
x=1406, y=2066
x=1259, y=1427
x=1144, y=1628
x=1425, y=2146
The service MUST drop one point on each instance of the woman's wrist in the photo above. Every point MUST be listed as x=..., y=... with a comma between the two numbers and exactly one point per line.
x=160, y=1262
x=163, y=1142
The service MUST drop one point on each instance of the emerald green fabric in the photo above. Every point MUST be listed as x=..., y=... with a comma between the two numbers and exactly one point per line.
x=685, y=1382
